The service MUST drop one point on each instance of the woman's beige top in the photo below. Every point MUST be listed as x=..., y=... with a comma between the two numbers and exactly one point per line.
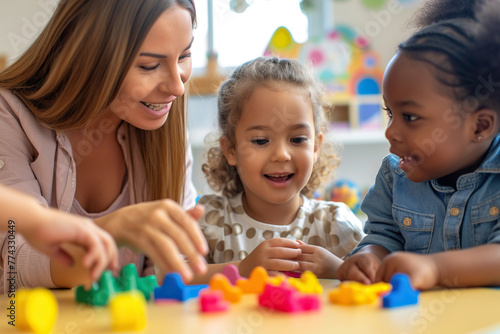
x=41, y=162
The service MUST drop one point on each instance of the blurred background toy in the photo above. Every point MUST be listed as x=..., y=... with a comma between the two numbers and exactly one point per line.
x=345, y=191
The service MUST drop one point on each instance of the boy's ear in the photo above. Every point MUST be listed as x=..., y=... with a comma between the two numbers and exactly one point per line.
x=228, y=150
x=486, y=124
x=317, y=145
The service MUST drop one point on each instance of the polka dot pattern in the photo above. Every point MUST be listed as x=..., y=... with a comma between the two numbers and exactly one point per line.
x=212, y=217
x=296, y=232
x=251, y=233
x=239, y=210
x=242, y=254
x=237, y=229
x=220, y=246
x=317, y=241
x=335, y=240
x=232, y=235
x=228, y=255
x=267, y=234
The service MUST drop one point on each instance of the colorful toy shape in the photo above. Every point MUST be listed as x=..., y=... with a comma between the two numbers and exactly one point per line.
x=256, y=282
x=307, y=283
x=231, y=293
x=174, y=288
x=128, y=311
x=100, y=292
x=402, y=293
x=295, y=274
x=285, y=298
x=212, y=301
x=355, y=293
x=283, y=45
x=232, y=273
x=345, y=191
x=37, y=310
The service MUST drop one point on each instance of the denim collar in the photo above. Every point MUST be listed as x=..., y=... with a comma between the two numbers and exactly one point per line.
x=491, y=164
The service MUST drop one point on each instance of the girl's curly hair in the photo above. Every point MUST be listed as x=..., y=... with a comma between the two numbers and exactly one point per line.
x=234, y=92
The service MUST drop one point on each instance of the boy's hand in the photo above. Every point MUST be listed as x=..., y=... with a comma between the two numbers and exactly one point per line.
x=422, y=269
x=361, y=267
x=318, y=260
x=274, y=255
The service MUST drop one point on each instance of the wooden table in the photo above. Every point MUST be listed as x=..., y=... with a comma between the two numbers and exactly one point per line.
x=475, y=310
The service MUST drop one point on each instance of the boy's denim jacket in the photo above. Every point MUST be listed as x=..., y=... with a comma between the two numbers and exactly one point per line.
x=427, y=217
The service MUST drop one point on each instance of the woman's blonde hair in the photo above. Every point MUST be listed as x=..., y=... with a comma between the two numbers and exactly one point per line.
x=234, y=92
x=75, y=68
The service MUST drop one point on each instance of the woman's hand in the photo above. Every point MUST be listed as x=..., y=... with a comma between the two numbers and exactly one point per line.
x=49, y=230
x=164, y=232
x=274, y=255
x=318, y=260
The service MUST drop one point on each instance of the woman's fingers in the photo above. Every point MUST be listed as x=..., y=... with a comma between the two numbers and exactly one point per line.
x=164, y=252
x=101, y=251
x=186, y=220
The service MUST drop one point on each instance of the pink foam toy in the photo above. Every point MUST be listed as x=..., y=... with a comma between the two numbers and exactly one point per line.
x=286, y=299
x=232, y=273
x=212, y=301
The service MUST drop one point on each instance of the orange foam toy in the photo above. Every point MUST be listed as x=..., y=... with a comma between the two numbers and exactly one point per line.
x=255, y=283
x=231, y=293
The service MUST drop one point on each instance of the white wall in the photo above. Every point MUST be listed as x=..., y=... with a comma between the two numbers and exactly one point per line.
x=20, y=22
x=385, y=27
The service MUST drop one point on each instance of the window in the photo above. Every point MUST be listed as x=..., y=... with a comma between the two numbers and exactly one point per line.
x=239, y=37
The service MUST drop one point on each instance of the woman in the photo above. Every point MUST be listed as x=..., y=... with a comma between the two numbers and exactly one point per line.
x=93, y=122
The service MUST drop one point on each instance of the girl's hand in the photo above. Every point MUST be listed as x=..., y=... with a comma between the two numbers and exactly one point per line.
x=319, y=260
x=422, y=269
x=361, y=267
x=277, y=254
x=163, y=231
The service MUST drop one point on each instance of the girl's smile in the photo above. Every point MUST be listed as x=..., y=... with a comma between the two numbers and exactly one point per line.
x=279, y=180
x=276, y=146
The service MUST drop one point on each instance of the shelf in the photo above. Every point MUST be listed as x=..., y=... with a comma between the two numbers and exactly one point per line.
x=360, y=137
x=355, y=137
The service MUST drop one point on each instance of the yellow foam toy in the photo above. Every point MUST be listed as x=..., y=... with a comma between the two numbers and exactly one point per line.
x=355, y=293
x=37, y=310
x=307, y=283
x=128, y=311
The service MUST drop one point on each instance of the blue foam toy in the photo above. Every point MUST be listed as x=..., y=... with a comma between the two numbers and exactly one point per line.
x=174, y=288
x=402, y=293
